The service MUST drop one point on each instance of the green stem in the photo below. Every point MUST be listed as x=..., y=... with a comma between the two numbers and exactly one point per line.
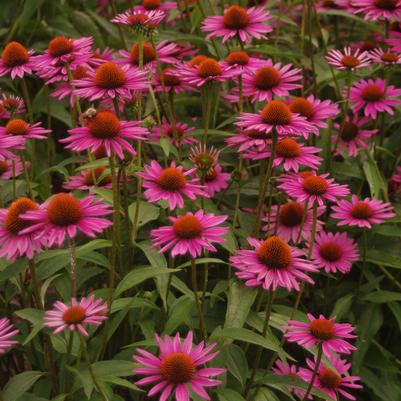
x=315, y=372
x=73, y=263
x=27, y=99
x=202, y=324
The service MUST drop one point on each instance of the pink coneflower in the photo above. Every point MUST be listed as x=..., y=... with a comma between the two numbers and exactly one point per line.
x=7, y=332
x=375, y=9
x=107, y=130
x=249, y=139
x=171, y=80
x=215, y=180
x=395, y=180
x=374, y=96
x=271, y=264
x=380, y=56
x=285, y=369
x=11, y=105
x=276, y=115
x=332, y=382
x=140, y=19
x=351, y=136
x=13, y=242
x=64, y=215
x=96, y=177
x=271, y=80
x=158, y=5
x=177, y=367
x=110, y=80
x=9, y=143
x=190, y=233
x=100, y=56
x=332, y=336
x=16, y=61
x=348, y=59
x=203, y=158
x=170, y=184
x=362, y=213
x=394, y=41
x=19, y=127
x=239, y=61
x=177, y=134
x=88, y=311
x=290, y=222
x=314, y=188
x=334, y=252
x=238, y=22
x=10, y=168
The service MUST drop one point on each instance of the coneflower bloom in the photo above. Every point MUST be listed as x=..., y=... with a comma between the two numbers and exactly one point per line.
x=215, y=180
x=351, y=136
x=190, y=234
x=395, y=180
x=170, y=184
x=177, y=367
x=8, y=144
x=140, y=19
x=88, y=311
x=7, y=332
x=362, y=213
x=239, y=22
x=394, y=41
x=11, y=105
x=177, y=134
x=158, y=5
x=276, y=115
x=204, y=159
x=249, y=139
x=100, y=56
x=380, y=56
x=314, y=188
x=332, y=336
x=348, y=59
x=332, y=382
x=19, y=127
x=334, y=252
x=269, y=80
x=239, y=61
x=16, y=61
x=171, y=80
x=10, y=168
x=95, y=177
x=272, y=264
x=107, y=130
x=375, y=9
x=64, y=215
x=290, y=222
x=374, y=96
x=110, y=80
x=285, y=369
x=13, y=242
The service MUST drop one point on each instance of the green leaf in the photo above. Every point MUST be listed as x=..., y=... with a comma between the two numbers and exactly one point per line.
x=226, y=394
x=118, y=381
x=202, y=261
x=382, y=297
x=147, y=212
x=20, y=384
x=180, y=312
x=236, y=362
x=383, y=258
x=377, y=184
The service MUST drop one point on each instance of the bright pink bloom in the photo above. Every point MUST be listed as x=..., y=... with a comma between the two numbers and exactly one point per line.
x=332, y=382
x=394, y=41
x=380, y=56
x=323, y=331
x=16, y=61
x=271, y=264
x=215, y=180
x=100, y=56
x=10, y=168
x=20, y=128
x=374, y=96
x=238, y=62
x=171, y=80
x=395, y=180
x=376, y=9
x=9, y=143
x=158, y=5
x=7, y=332
x=190, y=233
x=180, y=138
x=170, y=184
x=63, y=215
x=285, y=369
x=362, y=213
x=334, y=252
x=88, y=179
x=348, y=59
x=140, y=18
x=249, y=139
x=238, y=22
x=88, y=311
x=11, y=105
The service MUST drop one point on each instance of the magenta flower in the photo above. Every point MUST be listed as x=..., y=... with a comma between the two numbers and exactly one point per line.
x=88, y=311
x=9, y=143
x=351, y=136
x=380, y=56
x=276, y=115
x=394, y=41
x=170, y=184
x=332, y=382
x=334, y=252
x=374, y=96
x=16, y=61
x=110, y=80
x=140, y=18
x=63, y=215
x=177, y=368
x=190, y=233
x=105, y=129
x=177, y=138
x=290, y=222
x=158, y=5
x=285, y=369
x=332, y=336
x=19, y=127
x=13, y=242
x=97, y=177
x=100, y=56
x=215, y=180
x=314, y=188
x=7, y=332
x=395, y=180
x=10, y=168
x=362, y=213
x=376, y=9
x=11, y=105
x=271, y=264
x=171, y=80
x=238, y=22
x=348, y=59
x=238, y=62
x=249, y=139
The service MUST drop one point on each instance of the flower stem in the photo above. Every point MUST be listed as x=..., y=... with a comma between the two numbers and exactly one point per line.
x=202, y=324
x=313, y=234
x=315, y=372
x=73, y=262
x=27, y=99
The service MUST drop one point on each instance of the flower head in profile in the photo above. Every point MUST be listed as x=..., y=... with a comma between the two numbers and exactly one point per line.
x=203, y=158
x=171, y=184
x=94, y=177
x=377, y=9
x=272, y=264
x=16, y=61
x=177, y=368
x=215, y=180
x=177, y=133
x=10, y=106
x=170, y=81
x=239, y=22
x=362, y=213
x=144, y=21
x=251, y=139
x=19, y=127
x=190, y=233
x=331, y=335
x=7, y=332
x=88, y=311
x=64, y=215
x=388, y=57
x=334, y=252
x=10, y=168
x=334, y=382
x=238, y=61
x=348, y=59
